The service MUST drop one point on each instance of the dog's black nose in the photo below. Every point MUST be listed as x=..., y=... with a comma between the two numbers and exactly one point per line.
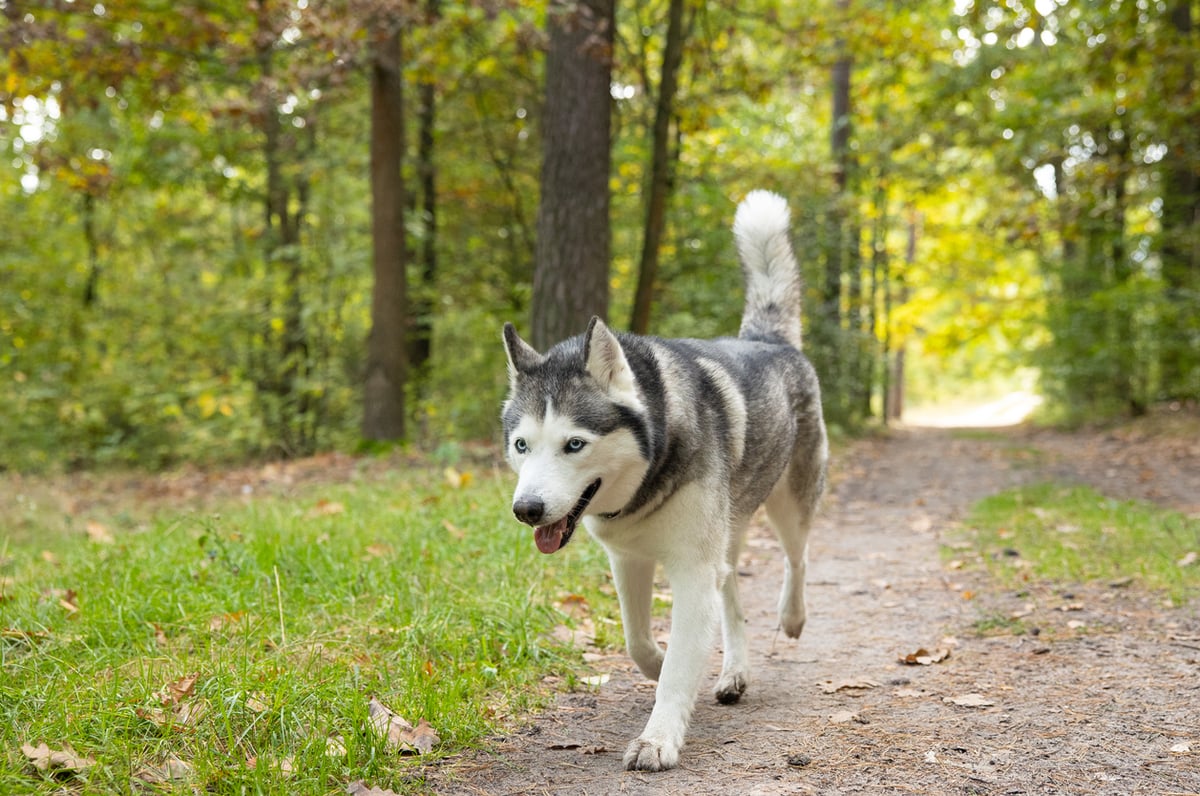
x=529, y=510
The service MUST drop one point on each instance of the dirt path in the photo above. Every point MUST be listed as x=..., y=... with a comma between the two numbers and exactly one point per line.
x=1091, y=707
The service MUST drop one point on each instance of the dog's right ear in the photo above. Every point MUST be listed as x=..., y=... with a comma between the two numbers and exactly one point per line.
x=521, y=356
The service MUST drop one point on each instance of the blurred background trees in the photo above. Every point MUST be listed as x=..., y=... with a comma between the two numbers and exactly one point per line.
x=984, y=194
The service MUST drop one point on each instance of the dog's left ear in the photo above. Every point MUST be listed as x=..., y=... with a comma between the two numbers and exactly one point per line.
x=605, y=360
x=521, y=355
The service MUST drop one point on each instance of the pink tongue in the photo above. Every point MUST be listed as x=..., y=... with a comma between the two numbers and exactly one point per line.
x=549, y=537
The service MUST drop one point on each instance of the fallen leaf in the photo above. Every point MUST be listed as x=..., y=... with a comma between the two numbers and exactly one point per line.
x=220, y=621
x=378, y=550
x=1075, y=624
x=931, y=756
x=1071, y=607
x=454, y=530
x=335, y=746
x=1188, y=559
x=326, y=508
x=970, y=701
x=574, y=605
x=176, y=691
x=843, y=716
x=1181, y=748
x=830, y=687
x=360, y=788
x=456, y=479
x=56, y=761
x=170, y=770
x=257, y=702
x=398, y=734
x=924, y=657
x=98, y=533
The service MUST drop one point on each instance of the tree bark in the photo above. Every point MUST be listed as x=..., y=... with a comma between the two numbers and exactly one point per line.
x=571, y=255
x=1180, y=245
x=421, y=339
x=660, y=170
x=387, y=352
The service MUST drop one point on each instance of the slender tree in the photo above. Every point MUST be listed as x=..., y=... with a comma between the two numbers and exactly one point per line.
x=387, y=352
x=660, y=169
x=571, y=255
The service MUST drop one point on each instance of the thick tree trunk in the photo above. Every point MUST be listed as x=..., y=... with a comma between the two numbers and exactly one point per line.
x=387, y=354
x=570, y=276
x=660, y=170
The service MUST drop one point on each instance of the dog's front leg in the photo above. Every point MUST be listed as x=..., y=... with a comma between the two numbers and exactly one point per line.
x=693, y=615
x=634, y=578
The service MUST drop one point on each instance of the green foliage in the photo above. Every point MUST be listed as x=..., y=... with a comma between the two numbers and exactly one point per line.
x=1075, y=534
x=185, y=261
x=293, y=613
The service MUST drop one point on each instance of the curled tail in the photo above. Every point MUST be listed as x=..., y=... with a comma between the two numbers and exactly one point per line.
x=773, y=287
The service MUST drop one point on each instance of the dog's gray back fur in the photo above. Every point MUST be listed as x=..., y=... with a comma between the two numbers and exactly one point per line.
x=667, y=449
x=763, y=364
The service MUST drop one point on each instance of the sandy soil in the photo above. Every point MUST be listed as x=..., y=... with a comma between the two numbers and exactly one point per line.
x=1103, y=699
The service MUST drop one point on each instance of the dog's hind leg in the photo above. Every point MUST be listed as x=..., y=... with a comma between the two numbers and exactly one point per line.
x=790, y=508
x=735, y=666
x=634, y=578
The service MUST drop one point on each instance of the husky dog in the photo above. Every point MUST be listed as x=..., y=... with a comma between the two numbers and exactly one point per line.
x=664, y=449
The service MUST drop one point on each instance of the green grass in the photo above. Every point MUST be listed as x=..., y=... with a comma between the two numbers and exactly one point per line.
x=293, y=613
x=1075, y=534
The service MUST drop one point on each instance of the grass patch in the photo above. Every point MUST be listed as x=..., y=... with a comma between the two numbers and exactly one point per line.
x=1075, y=534
x=293, y=614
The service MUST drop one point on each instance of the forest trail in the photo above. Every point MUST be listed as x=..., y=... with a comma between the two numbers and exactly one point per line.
x=1099, y=700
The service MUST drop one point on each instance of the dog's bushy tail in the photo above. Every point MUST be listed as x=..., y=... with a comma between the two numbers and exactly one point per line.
x=773, y=286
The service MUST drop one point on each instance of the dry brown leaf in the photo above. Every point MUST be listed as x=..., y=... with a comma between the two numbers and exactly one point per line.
x=850, y=684
x=924, y=657
x=335, y=746
x=361, y=788
x=843, y=716
x=56, y=761
x=326, y=508
x=399, y=735
x=454, y=530
x=970, y=701
x=257, y=702
x=176, y=691
x=170, y=770
x=221, y=621
x=378, y=550
x=98, y=533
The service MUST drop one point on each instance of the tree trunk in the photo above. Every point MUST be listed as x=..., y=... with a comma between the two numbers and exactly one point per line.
x=387, y=352
x=660, y=170
x=421, y=339
x=1181, y=216
x=570, y=276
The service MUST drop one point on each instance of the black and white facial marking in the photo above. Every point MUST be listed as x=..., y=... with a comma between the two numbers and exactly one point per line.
x=574, y=431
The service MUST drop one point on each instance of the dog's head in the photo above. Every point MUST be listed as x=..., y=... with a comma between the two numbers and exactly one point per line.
x=574, y=431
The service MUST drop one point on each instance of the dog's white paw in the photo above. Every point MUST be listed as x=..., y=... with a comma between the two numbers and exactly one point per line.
x=792, y=614
x=651, y=754
x=730, y=687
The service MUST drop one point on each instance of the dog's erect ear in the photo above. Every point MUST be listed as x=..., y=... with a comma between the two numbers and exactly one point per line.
x=605, y=360
x=521, y=356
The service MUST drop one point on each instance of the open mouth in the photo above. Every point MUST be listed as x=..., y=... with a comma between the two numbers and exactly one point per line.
x=551, y=538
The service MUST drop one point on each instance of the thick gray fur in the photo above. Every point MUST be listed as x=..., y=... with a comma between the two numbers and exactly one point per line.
x=710, y=430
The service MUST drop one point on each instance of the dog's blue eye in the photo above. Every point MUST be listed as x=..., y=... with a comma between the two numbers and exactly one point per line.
x=575, y=445
x=520, y=445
